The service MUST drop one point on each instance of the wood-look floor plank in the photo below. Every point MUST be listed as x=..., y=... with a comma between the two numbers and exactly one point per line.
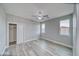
x=37, y=48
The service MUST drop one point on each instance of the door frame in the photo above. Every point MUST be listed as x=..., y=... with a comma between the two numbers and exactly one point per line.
x=8, y=32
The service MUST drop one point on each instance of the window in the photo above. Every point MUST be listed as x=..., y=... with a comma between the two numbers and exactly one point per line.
x=43, y=28
x=64, y=27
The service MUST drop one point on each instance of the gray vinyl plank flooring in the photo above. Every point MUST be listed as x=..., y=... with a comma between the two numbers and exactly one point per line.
x=39, y=47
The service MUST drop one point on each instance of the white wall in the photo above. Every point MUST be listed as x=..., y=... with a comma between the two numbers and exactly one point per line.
x=77, y=28
x=25, y=28
x=31, y=31
x=74, y=30
x=52, y=31
x=2, y=30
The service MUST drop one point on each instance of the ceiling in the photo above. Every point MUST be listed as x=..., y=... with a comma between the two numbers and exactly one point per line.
x=26, y=10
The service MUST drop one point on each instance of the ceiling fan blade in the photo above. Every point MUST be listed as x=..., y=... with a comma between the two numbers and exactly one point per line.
x=46, y=16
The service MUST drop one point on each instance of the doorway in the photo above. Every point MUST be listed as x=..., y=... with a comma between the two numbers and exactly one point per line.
x=12, y=34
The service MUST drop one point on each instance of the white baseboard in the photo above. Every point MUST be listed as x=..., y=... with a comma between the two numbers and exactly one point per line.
x=60, y=43
x=3, y=51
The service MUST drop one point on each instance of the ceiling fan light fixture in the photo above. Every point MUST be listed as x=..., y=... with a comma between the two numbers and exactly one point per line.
x=40, y=15
x=39, y=18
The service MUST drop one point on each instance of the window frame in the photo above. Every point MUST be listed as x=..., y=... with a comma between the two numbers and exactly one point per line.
x=63, y=28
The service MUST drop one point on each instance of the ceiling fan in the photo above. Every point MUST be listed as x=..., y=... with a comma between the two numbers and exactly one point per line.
x=40, y=15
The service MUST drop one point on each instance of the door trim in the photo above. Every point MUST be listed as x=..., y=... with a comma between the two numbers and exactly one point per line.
x=7, y=43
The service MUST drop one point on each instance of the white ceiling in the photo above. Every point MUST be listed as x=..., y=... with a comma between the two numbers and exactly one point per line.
x=26, y=10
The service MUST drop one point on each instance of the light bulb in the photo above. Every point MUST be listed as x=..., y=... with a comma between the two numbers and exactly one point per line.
x=39, y=18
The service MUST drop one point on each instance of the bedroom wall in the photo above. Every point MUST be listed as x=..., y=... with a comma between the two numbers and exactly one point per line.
x=52, y=31
x=77, y=30
x=2, y=30
x=25, y=28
